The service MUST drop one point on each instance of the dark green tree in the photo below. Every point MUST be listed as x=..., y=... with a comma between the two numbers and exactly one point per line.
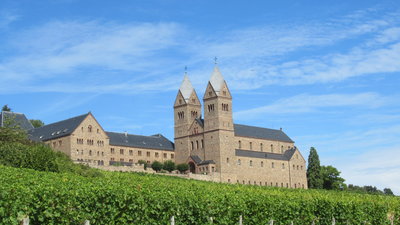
x=388, y=191
x=144, y=163
x=36, y=123
x=331, y=178
x=169, y=166
x=314, y=177
x=6, y=108
x=157, y=166
x=182, y=167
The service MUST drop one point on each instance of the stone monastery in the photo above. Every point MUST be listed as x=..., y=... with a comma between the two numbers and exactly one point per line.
x=212, y=145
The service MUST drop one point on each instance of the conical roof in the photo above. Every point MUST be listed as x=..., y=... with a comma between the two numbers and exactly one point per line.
x=186, y=88
x=216, y=79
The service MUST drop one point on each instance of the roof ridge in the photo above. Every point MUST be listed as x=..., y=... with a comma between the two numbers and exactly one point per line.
x=133, y=134
x=257, y=127
x=62, y=120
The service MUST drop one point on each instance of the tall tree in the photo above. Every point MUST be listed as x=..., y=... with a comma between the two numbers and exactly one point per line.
x=36, y=123
x=6, y=108
x=388, y=191
x=314, y=178
x=331, y=179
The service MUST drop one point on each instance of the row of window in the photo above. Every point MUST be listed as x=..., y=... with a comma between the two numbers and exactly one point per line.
x=139, y=153
x=239, y=162
x=99, y=162
x=206, y=169
x=195, y=144
x=57, y=143
x=194, y=114
x=90, y=152
x=225, y=107
x=89, y=129
x=211, y=107
x=181, y=115
x=261, y=146
x=276, y=184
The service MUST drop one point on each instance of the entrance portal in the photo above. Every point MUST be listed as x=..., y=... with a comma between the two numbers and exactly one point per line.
x=192, y=167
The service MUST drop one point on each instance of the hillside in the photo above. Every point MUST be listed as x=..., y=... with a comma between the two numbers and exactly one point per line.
x=129, y=198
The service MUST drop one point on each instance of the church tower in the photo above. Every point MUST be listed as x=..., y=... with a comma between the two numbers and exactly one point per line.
x=187, y=108
x=218, y=124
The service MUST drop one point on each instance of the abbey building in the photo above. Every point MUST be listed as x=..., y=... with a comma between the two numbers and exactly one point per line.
x=239, y=153
x=212, y=145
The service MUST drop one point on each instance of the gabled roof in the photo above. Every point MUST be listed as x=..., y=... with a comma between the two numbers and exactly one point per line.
x=216, y=79
x=151, y=142
x=206, y=162
x=200, y=122
x=18, y=119
x=56, y=130
x=262, y=133
x=287, y=155
x=186, y=88
x=196, y=159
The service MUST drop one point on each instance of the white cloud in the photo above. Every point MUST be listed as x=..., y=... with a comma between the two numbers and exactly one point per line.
x=311, y=103
x=6, y=18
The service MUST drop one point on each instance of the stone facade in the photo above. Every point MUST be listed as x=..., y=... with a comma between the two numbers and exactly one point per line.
x=237, y=153
x=215, y=148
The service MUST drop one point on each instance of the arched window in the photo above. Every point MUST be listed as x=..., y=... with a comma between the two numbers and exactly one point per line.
x=261, y=146
x=262, y=163
x=239, y=162
x=240, y=144
x=251, y=162
x=90, y=152
x=282, y=149
x=197, y=144
x=273, y=165
x=192, y=145
x=202, y=143
x=90, y=128
x=272, y=148
x=251, y=145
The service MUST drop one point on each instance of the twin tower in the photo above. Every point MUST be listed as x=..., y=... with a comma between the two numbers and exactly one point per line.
x=201, y=141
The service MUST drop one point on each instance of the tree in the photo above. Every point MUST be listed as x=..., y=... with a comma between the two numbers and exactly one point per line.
x=182, y=167
x=6, y=108
x=157, y=166
x=169, y=166
x=331, y=179
x=387, y=191
x=314, y=178
x=144, y=163
x=36, y=123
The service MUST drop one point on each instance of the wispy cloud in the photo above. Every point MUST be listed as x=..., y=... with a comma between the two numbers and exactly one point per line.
x=311, y=103
x=6, y=18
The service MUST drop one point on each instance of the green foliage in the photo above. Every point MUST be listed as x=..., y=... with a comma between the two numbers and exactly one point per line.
x=331, y=178
x=314, y=177
x=36, y=123
x=6, y=108
x=144, y=163
x=129, y=198
x=388, y=191
x=169, y=166
x=157, y=166
x=182, y=167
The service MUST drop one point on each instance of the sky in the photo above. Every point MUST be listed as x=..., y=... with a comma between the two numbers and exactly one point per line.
x=327, y=72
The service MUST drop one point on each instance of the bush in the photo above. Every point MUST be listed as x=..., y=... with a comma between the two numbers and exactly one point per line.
x=182, y=167
x=157, y=166
x=169, y=166
x=144, y=163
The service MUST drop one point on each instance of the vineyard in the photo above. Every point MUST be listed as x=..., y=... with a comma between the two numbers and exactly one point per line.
x=126, y=198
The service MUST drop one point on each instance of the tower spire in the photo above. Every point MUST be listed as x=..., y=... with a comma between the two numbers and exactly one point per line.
x=186, y=87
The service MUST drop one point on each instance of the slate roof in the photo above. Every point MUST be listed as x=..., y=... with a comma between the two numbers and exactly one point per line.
x=19, y=120
x=287, y=155
x=262, y=133
x=129, y=140
x=196, y=159
x=206, y=162
x=56, y=130
x=200, y=122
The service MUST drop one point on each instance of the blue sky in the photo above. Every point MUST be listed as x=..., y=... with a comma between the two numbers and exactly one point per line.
x=327, y=72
